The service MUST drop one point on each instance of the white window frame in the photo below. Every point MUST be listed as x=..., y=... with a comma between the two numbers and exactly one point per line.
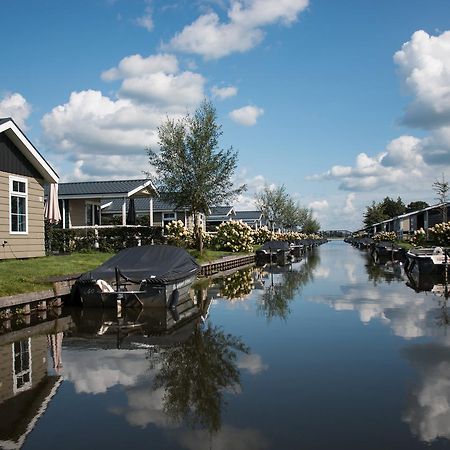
x=29, y=383
x=93, y=204
x=18, y=194
x=172, y=218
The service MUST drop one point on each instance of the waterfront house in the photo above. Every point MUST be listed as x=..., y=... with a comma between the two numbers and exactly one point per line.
x=406, y=224
x=163, y=212
x=254, y=219
x=80, y=202
x=23, y=174
x=219, y=214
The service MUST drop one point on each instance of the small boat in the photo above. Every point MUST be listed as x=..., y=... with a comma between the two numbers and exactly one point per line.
x=146, y=276
x=274, y=251
x=432, y=260
x=385, y=251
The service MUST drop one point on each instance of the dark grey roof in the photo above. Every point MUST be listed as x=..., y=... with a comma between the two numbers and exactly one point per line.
x=4, y=119
x=220, y=211
x=248, y=215
x=141, y=205
x=99, y=188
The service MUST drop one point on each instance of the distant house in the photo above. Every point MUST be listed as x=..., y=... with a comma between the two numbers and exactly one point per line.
x=408, y=223
x=254, y=219
x=23, y=174
x=80, y=202
x=163, y=211
x=219, y=214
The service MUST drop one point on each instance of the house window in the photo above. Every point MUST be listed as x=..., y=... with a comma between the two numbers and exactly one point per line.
x=18, y=205
x=21, y=365
x=167, y=218
x=92, y=214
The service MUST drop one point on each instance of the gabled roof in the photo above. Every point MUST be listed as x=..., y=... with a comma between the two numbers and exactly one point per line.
x=19, y=139
x=106, y=189
x=220, y=211
x=248, y=215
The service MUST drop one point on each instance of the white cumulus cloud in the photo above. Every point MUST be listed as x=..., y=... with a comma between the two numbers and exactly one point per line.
x=224, y=92
x=15, y=106
x=247, y=115
x=209, y=37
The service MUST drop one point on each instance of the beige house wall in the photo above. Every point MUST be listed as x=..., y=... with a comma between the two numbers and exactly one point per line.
x=22, y=245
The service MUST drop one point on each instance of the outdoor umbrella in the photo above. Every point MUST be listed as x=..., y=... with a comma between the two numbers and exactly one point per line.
x=51, y=210
x=131, y=215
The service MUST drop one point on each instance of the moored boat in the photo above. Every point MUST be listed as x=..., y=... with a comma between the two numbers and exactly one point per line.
x=432, y=260
x=274, y=251
x=147, y=276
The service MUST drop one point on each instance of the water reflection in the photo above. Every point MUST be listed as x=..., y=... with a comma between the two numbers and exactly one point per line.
x=28, y=379
x=195, y=375
x=428, y=409
x=280, y=285
x=385, y=272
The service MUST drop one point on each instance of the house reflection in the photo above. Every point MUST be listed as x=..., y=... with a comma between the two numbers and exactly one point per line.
x=28, y=380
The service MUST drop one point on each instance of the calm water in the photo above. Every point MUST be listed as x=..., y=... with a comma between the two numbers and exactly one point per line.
x=332, y=352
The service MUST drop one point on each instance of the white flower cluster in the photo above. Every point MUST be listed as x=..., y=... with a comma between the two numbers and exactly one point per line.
x=234, y=236
x=385, y=236
x=440, y=233
x=178, y=234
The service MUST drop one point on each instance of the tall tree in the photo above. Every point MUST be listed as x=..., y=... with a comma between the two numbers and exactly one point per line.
x=441, y=188
x=416, y=206
x=190, y=168
x=272, y=201
x=374, y=214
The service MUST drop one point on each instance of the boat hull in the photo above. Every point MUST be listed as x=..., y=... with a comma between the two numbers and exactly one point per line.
x=143, y=295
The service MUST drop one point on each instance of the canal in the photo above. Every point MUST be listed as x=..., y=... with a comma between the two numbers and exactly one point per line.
x=329, y=352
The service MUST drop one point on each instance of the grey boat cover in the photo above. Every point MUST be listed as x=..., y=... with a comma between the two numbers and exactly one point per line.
x=161, y=264
x=276, y=245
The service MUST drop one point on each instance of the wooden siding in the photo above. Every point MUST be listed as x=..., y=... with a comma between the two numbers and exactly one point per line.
x=13, y=161
x=22, y=245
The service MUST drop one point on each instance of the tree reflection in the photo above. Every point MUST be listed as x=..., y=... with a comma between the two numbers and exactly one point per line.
x=384, y=273
x=238, y=285
x=277, y=295
x=195, y=375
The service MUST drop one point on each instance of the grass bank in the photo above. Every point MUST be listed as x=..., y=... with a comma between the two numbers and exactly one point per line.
x=30, y=275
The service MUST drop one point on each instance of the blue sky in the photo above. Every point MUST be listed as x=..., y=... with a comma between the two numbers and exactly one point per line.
x=343, y=102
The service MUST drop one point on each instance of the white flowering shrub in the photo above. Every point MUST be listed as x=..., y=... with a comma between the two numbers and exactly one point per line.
x=440, y=233
x=419, y=237
x=234, y=236
x=177, y=234
x=262, y=235
x=385, y=236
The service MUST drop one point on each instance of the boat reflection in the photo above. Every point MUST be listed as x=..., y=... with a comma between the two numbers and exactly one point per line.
x=180, y=364
x=280, y=284
x=385, y=272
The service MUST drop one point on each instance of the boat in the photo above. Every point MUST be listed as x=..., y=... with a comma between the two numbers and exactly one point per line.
x=432, y=260
x=274, y=251
x=385, y=251
x=145, y=276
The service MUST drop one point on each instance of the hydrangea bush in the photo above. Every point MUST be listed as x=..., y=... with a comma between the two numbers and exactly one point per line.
x=177, y=234
x=390, y=236
x=262, y=235
x=234, y=236
x=419, y=237
x=440, y=233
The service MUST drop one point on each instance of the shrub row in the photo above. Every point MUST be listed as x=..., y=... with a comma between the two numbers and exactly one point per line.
x=59, y=240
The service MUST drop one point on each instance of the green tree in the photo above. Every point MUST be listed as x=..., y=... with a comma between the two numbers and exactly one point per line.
x=374, y=214
x=271, y=201
x=190, y=168
x=393, y=208
x=416, y=206
x=310, y=225
x=281, y=211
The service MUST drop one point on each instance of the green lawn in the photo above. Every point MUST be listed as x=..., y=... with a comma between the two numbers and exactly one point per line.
x=28, y=275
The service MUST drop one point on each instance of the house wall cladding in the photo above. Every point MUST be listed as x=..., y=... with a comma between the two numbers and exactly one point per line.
x=13, y=161
x=22, y=245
